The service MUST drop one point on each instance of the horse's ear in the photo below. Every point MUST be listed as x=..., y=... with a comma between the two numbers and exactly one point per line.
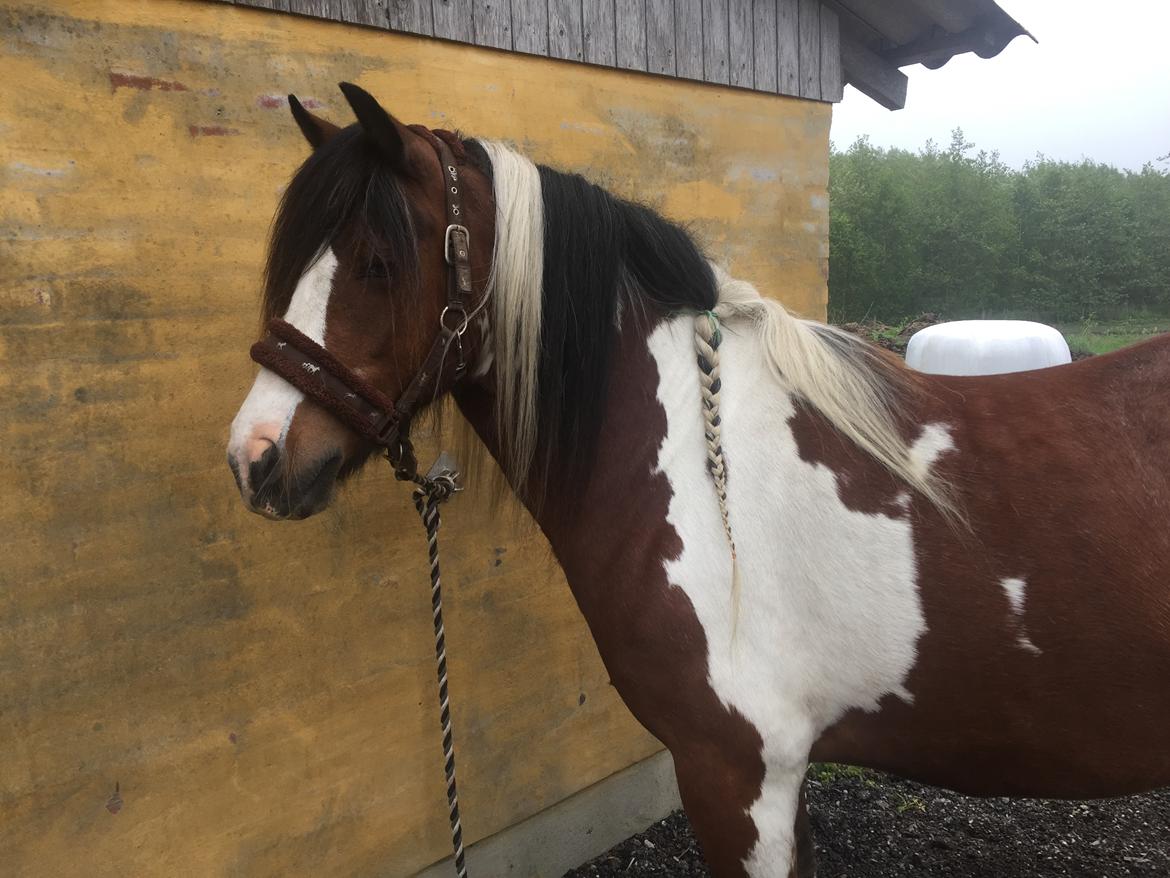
x=315, y=129
x=377, y=124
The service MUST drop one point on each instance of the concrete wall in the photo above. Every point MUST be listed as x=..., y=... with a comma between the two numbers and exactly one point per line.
x=186, y=689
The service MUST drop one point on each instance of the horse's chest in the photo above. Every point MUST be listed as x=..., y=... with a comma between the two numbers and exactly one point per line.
x=827, y=614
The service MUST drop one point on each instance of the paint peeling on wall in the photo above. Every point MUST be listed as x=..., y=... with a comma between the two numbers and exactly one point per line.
x=144, y=83
x=212, y=131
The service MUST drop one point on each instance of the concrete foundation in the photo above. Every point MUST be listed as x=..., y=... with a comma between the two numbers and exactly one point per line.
x=576, y=829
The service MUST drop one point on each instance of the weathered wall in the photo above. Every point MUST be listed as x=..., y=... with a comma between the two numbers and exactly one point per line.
x=186, y=689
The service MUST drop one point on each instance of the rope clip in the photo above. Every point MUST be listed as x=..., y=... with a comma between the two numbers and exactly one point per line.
x=442, y=479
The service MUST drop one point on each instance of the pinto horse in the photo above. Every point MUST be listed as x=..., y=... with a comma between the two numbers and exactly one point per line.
x=965, y=581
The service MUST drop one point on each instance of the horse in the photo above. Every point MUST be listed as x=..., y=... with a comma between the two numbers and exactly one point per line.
x=963, y=581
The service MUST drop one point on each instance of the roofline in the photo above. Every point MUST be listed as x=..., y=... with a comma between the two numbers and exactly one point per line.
x=871, y=52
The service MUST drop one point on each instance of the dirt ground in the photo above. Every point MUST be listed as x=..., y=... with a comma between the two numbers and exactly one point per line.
x=869, y=825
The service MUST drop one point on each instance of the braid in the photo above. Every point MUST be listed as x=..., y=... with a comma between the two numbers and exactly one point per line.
x=707, y=341
x=708, y=337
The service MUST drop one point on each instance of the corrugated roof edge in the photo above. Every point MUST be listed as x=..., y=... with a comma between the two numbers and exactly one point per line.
x=987, y=37
x=879, y=36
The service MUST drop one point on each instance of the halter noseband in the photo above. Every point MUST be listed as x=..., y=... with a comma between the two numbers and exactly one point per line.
x=327, y=381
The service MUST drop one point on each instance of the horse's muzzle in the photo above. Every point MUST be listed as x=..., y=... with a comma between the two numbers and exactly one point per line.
x=279, y=493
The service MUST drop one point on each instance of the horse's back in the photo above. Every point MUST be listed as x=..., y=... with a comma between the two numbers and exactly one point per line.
x=1095, y=432
x=1046, y=659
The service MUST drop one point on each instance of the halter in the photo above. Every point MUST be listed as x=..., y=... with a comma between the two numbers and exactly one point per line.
x=327, y=381
x=321, y=376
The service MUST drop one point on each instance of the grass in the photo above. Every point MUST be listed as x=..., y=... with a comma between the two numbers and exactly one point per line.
x=1102, y=336
x=826, y=772
x=906, y=803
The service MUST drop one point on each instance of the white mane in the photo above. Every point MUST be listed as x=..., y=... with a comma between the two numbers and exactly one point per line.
x=515, y=286
x=839, y=375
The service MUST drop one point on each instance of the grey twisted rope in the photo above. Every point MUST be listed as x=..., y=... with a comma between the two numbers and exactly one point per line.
x=708, y=337
x=430, y=494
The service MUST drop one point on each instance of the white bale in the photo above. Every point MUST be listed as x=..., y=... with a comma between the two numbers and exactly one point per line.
x=986, y=347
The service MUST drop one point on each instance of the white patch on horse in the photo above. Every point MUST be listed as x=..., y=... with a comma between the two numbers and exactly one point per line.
x=830, y=613
x=268, y=410
x=1014, y=589
x=933, y=442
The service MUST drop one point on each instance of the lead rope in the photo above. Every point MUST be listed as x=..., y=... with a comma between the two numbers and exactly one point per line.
x=441, y=483
x=708, y=337
x=433, y=490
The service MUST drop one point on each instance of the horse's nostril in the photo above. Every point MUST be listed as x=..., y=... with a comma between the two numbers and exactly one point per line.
x=263, y=472
x=318, y=489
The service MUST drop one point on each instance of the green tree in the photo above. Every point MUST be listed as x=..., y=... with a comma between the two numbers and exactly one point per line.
x=957, y=231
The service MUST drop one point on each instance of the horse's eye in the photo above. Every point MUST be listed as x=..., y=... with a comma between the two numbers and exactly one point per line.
x=375, y=269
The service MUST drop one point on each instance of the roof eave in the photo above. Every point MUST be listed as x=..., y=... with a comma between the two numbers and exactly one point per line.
x=873, y=48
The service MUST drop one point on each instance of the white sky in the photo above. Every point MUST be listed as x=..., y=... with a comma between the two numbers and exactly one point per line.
x=1096, y=86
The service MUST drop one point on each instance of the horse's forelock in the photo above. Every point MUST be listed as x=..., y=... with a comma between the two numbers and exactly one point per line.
x=342, y=186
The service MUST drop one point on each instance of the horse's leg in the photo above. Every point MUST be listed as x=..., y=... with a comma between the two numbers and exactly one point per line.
x=716, y=793
x=806, y=854
x=743, y=830
x=784, y=847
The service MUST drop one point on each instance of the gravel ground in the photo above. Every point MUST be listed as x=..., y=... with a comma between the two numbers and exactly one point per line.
x=869, y=825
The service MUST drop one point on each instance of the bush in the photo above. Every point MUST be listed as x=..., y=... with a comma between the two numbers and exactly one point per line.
x=957, y=231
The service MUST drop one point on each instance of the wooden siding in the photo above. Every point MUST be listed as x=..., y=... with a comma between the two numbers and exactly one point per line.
x=788, y=47
x=188, y=689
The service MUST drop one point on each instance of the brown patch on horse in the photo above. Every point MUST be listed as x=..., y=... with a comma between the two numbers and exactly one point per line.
x=1054, y=469
x=863, y=485
x=646, y=630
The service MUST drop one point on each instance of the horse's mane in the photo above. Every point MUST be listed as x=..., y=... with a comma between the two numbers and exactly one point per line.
x=570, y=263
x=571, y=260
x=342, y=185
x=854, y=385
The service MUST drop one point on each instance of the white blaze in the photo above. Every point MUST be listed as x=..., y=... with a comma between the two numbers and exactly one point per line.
x=267, y=411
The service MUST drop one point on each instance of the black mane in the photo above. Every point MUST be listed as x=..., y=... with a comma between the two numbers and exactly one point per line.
x=605, y=260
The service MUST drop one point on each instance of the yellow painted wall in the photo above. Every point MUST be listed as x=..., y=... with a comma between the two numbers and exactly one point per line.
x=259, y=695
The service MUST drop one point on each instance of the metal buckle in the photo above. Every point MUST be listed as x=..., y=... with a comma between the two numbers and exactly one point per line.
x=461, y=326
x=452, y=229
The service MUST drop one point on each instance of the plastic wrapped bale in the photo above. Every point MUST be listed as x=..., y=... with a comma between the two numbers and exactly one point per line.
x=986, y=347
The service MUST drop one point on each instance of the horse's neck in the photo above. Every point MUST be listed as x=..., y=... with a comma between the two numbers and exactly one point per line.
x=650, y=491
x=586, y=524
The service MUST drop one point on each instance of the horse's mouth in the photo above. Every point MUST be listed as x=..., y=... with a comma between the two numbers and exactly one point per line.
x=296, y=496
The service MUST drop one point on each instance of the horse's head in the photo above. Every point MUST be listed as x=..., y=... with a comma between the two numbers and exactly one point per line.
x=357, y=264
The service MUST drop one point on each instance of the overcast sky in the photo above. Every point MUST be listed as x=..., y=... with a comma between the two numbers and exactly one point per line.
x=1097, y=85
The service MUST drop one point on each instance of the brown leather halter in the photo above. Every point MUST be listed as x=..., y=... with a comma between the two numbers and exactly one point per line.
x=326, y=380
x=321, y=376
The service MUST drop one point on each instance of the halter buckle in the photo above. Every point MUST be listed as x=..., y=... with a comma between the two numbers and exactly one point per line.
x=402, y=459
x=461, y=256
x=460, y=326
